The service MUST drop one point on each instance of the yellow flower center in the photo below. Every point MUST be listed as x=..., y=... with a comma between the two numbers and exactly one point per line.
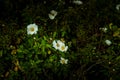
x=63, y=61
x=16, y=68
x=52, y=14
x=57, y=45
x=62, y=47
x=32, y=29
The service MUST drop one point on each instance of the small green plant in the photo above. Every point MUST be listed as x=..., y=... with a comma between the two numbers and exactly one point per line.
x=40, y=53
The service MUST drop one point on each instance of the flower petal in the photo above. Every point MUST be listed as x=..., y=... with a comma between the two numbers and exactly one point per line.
x=32, y=29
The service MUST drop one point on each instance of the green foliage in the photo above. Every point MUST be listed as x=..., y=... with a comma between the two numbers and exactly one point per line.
x=83, y=28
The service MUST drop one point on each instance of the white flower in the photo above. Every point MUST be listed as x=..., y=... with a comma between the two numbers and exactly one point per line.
x=32, y=29
x=52, y=14
x=118, y=7
x=59, y=45
x=104, y=29
x=108, y=42
x=77, y=2
x=55, y=44
x=63, y=48
x=63, y=60
x=34, y=38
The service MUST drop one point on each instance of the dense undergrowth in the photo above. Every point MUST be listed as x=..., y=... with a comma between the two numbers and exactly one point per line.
x=89, y=36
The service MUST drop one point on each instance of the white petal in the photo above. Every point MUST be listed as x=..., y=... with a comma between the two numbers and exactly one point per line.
x=54, y=44
x=104, y=29
x=51, y=16
x=66, y=48
x=32, y=29
x=108, y=42
x=53, y=12
x=66, y=61
x=63, y=60
x=118, y=7
x=60, y=42
x=77, y=2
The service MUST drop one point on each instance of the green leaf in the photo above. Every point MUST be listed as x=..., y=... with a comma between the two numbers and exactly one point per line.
x=44, y=38
x=43, y=49
x=1, y=52
x=63, y=33
x=38, y=61
x=105, y=56
x=19, y=50
x=54, y=34
x=48, y=45
x=117, y=58
x=43, y=42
